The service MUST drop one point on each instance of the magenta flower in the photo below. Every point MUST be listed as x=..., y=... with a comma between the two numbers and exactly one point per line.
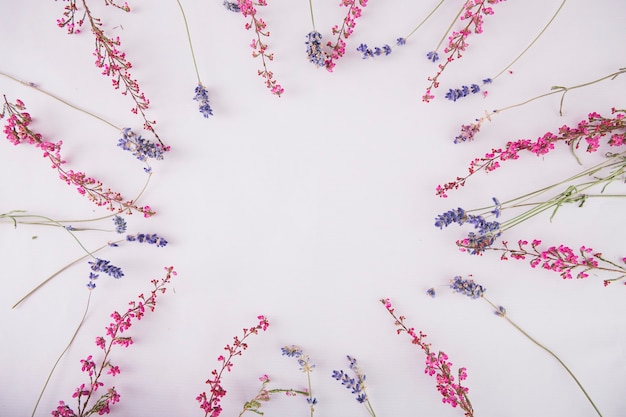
x=452, y=392
x=18, y=131
x=210, y=403
x=85, y=393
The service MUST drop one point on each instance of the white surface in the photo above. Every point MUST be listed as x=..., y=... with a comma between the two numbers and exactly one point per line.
x=309, y=209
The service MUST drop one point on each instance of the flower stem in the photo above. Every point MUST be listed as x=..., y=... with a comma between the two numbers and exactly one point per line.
x=559, y=89
x=31, y=292
x=443, y=38
x=34, y=86
x=195, y=65
x=424, y=21
x=547, y=350
x=45, y=385
x=311, y=12
x=533, y=42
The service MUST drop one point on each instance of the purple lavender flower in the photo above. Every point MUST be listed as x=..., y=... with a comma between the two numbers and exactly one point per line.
x=120, y=224
x=141, y=148
x=464, y=91
x=92, y=277
x=232, y=6
x=467, y=287
x=152, y=239
x=432, y=56
x=101, y=265
x=357, y=384
x=400, y=41
x=202, y=97
x=314, y=49
x=467, y=133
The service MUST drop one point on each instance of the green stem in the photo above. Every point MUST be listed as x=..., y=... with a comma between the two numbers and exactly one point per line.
x=310, y=393
x=533, y=42
x=45, y=385
x=549, y=352
x=34, y=86
x=615, y=161
x=31, y=292
x=563, y=90
x=424, y=21
x=195, y=65
x=450, y=27
x=369, y=408
x=311, y=12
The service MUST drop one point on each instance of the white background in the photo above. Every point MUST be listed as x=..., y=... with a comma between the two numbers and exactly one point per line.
x=308, y=209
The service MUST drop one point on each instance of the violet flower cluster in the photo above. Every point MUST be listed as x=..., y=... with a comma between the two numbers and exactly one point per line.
x=314, y=49
x=202, y=97
x=305, y=366
x=357, y=384
x=141, y=148
x=475, y=243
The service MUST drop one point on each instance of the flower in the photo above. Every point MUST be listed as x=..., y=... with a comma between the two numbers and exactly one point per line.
x=88, y=402
x=141, y=148
x=232, y=6
x=202, y=97
x=432, y=56
x=314, y=48
x=467, y=287
x=260, y=48
x=120, y=224
x=101, y=265
x=464, y=91
x=567, y=262
x=453, y=393
x=211, y=404
x=371, y=53
x=151, y=239
x=110, y=59
x=305, y=366
x=338, y=49
x=17, y=131
x=472, y=12
x=467, y=132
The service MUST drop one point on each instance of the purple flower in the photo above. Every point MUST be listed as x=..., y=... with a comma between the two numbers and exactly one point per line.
x=314, y=49
x=101, y=265
x=467, y=287
x=232, y=6
x=152, y=239
x=357, y=384
x=432, y=56
x=141, y=148
x=202, y=97
x=120, y=224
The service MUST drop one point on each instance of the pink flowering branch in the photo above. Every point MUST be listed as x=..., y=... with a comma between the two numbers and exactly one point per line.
x=338, y=49
x=469, y=131
x=437, y=364
x=457, y=43
x=86, y=393
x=18, y=131
x=259, y=47
x=211, y=404
x=563, y=260
x=587, y=132
x=109, y=58
x=264, y=394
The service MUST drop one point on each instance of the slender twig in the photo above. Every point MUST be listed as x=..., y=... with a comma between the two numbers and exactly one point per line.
x=193, y=55
x=41, y=90
x=45, y=385
x=502, y=314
